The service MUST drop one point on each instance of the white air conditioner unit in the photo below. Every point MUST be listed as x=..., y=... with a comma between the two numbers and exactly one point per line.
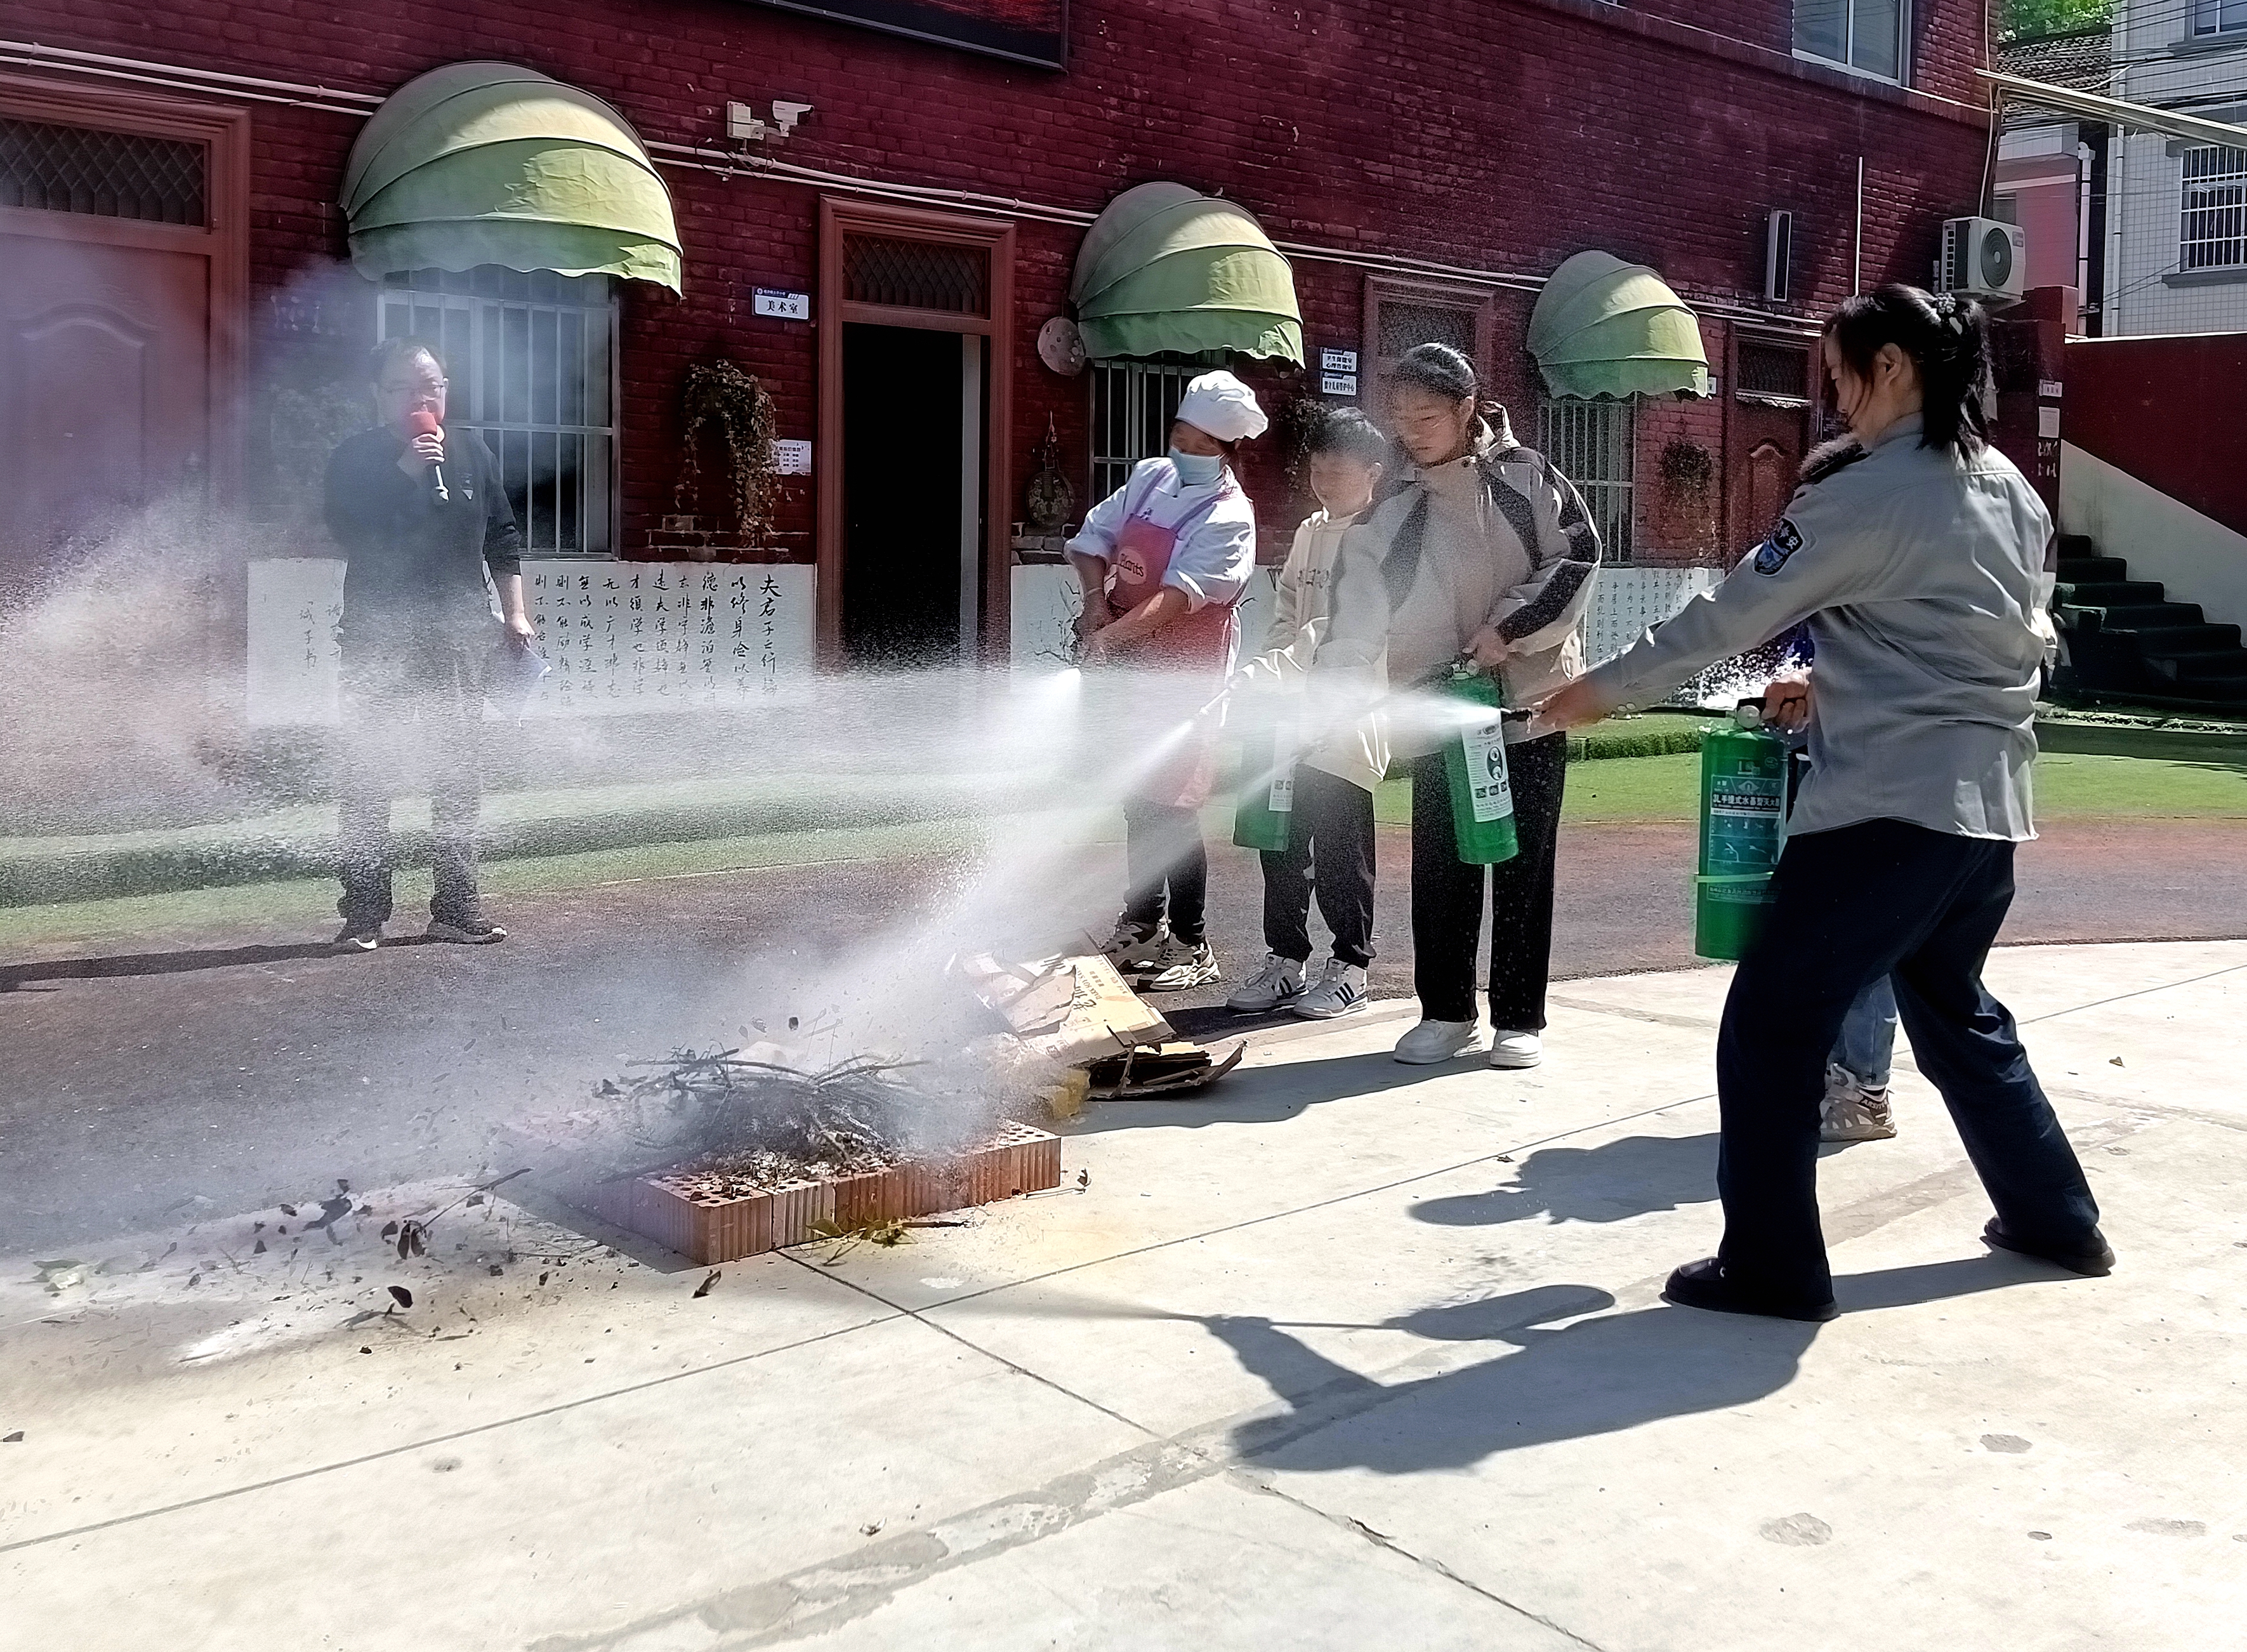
x=1983, y=258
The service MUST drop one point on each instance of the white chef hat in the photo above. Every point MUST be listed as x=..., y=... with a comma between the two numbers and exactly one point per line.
x=1221, y=406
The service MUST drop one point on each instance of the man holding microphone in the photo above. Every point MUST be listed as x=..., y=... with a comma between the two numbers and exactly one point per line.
x=435, y=582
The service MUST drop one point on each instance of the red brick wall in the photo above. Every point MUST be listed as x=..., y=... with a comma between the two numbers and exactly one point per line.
x=1492, y=135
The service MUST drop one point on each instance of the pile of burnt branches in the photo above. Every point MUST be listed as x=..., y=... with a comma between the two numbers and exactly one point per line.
x=747, y=1113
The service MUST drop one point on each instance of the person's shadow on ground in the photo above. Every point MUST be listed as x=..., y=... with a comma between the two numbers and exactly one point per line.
x=16, y=977
x=1594, y=1376
x=1627, y=1177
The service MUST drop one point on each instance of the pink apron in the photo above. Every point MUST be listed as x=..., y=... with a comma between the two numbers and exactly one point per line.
x=1195, y=650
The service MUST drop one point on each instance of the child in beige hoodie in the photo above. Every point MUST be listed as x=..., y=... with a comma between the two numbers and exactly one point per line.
x=1331, y=819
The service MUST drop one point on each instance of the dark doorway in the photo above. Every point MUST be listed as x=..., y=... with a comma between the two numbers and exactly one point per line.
x=912, y=460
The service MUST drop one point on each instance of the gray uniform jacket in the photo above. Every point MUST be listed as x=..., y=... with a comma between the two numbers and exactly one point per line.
x=1923, y=578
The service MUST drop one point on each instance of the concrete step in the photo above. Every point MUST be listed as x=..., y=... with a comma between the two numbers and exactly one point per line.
x=2136, y=616
x=2215, y=666
x=2109, y=593
x=2157, y=641
x=2078, y=545
x=2074, y=571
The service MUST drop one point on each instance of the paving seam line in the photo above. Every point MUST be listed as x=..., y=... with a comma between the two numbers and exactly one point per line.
x=424, y=1443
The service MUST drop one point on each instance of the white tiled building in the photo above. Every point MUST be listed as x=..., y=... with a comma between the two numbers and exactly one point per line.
x=2176, y=211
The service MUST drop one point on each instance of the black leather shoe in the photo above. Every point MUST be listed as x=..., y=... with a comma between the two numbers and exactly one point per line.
x=2094, y=1263
x=1702, y=1285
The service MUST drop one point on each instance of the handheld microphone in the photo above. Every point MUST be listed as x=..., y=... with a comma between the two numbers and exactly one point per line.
x=422, y=422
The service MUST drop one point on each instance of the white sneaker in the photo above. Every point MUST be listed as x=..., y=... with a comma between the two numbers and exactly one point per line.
x=1433, y=1041
x=1340, y=991
x=1177, y=967
x=1853, y=1113
x=1280, y=981
x=1132, y=948
x=1516, y=1049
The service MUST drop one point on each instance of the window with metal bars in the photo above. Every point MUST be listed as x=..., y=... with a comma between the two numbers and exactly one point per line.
x=1773, y=372
x=2212, y=230
x=1404, y=325
x=1594, y=445
x=531, y=358
x=917, y=275
x=1133, y=403
x=105, y=174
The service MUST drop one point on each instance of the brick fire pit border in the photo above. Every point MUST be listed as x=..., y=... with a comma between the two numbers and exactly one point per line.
x=1017, y=1160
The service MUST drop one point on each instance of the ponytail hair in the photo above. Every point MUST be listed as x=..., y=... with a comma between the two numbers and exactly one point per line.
x=1439, y=370
x=1947, y=335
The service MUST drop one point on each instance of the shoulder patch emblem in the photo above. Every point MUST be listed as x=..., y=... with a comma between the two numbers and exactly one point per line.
x=1785, y=541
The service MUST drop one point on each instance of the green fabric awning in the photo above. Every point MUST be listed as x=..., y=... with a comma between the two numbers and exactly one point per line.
x=1166, y=269
x=1603, y=327
x=487, y=163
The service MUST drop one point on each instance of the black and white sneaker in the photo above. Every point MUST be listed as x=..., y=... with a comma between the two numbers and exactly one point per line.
x=358, y=938
x=1280, y=981
x=1340, y=991
x=473, y=932
x=1180, y=966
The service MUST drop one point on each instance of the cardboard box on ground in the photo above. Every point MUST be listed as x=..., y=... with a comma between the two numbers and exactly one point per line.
x=1078, y=1010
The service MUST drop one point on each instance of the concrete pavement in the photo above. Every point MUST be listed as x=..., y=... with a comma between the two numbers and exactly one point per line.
x=1346, y=1353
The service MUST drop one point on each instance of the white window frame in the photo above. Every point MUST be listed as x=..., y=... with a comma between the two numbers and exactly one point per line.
x=443, y=317
x=2208, y=19
x=1594, y=445
x=1902, y=78
x=2232, y=179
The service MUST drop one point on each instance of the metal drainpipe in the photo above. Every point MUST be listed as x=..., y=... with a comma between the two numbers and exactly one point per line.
x=2082, y=227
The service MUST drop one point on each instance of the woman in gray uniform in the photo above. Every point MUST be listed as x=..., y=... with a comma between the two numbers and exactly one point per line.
x=1920, y=556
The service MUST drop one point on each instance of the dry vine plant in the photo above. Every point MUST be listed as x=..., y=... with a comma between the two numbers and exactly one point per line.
x=720, y=395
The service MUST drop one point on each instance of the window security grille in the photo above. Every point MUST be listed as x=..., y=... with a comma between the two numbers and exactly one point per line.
x=531, y=361
x=1133, y=403
x=1773, y=371
x=1864, y=35
x=1404, y=325
x=106, y=174
x=1595, y=446
x=2212, y=233
x=917, y=275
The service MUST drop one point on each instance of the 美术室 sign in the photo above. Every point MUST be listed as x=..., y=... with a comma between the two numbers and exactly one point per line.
x=788, y=306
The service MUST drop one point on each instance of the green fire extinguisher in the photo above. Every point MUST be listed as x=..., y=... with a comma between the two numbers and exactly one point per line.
x=1264, y=795
x=1743, y=822
x=1474, y=759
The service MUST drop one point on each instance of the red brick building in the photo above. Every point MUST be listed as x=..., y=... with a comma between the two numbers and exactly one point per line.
x=1424, y=168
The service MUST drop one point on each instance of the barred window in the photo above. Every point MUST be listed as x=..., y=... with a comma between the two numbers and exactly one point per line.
x=1771, y=373
x=531, y=358
x=2212, y=232
x=1133, y=403
x=1594, y=444
x=105, y=174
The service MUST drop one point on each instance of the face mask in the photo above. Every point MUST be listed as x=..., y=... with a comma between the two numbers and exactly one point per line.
x=1197, y=469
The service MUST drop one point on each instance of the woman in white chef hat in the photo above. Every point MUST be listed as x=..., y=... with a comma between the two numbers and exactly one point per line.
x=1165, y=560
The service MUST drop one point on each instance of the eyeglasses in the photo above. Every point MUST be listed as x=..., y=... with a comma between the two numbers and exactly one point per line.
x=436, y=389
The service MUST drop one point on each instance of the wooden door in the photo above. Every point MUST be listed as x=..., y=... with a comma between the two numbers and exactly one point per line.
x=105, y=399
x=124, y=221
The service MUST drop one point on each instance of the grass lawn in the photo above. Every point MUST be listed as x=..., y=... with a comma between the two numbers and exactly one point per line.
x=2067, y=785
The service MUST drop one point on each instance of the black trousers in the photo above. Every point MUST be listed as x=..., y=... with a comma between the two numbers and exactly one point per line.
x=1849, y=906
x=1447, y=893
x=1329, y=851
x=1168, y=867
x=411, y=705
